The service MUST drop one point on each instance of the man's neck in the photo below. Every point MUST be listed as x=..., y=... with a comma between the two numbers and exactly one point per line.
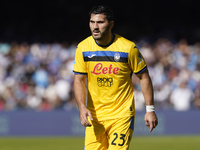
x=106, y=40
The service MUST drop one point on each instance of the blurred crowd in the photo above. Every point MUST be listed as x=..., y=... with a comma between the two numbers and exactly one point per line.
x=39, y=76
x=175, y=72
x=36, y=76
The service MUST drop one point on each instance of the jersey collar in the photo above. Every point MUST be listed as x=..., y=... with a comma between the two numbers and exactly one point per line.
x=113, y=38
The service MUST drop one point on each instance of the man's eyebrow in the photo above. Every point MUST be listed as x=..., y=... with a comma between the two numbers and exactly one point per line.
x=100, y=21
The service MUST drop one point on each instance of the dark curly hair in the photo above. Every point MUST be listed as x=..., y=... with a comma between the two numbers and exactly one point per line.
x=102, y=10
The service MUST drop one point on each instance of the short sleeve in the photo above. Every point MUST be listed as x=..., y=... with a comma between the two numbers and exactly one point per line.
x=79, y=64
x=136, y=60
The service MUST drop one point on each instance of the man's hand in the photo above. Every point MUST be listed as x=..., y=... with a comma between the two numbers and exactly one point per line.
x=84, y=113
x=151, y=120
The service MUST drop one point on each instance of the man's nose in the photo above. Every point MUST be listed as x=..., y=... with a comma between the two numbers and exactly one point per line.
x=96, y=26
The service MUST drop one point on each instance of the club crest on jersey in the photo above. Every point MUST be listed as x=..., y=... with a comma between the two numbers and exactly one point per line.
x=117, y=56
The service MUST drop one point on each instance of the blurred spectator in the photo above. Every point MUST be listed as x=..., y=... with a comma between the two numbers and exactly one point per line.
x=63, y=88
x=2, y=103
x=40, y=77
x=33, y=101
x=181, y=97
x=4, y=48
x=197, y=98
x=139, y=100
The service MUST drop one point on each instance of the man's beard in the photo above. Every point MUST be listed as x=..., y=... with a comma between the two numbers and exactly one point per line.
x=101, y=35
x=98, y=37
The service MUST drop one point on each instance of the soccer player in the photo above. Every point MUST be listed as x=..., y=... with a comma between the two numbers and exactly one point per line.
x=108, y=61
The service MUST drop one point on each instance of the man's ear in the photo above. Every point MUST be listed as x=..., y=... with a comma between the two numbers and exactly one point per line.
x=111, y=24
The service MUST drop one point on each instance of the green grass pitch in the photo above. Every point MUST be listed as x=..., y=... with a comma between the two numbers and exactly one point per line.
x=76, y=143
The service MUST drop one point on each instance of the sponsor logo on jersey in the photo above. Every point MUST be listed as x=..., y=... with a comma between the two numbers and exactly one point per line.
x=106, y=82
x=99, y=69
x=92, y=56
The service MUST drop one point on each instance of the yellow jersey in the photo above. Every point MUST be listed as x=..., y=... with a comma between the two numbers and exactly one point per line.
x=109, y=69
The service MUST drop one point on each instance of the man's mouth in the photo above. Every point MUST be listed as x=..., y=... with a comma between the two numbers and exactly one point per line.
x=95, y=31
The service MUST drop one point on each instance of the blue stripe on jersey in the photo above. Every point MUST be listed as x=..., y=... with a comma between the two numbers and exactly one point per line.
x=79, y=73
x=132, y=123
x=104, y=53
x=141, y=70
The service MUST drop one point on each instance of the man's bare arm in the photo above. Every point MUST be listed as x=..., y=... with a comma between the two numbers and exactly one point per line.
x=150, y=118
x=80, y=94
